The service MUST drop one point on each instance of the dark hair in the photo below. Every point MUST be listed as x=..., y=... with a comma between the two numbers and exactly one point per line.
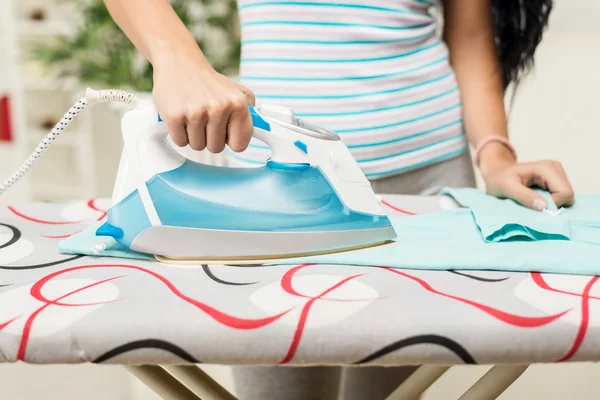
x=519, y=25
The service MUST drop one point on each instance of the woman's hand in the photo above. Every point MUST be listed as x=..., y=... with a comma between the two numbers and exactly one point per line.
x=505, y=178
x=469, y=33
x=201, y=107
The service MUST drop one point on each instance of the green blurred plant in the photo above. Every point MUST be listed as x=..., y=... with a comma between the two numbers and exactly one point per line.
x=99, y=53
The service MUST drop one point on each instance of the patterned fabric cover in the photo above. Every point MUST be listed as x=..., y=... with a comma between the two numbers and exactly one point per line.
x=71, y=309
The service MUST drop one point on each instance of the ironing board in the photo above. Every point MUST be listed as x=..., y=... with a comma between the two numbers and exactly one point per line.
x=160, y=321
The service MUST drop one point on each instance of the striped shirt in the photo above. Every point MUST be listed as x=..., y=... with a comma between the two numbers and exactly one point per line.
x=373, y=71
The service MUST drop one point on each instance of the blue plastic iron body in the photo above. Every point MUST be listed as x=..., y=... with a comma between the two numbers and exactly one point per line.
x=288, y=207
x=264, y=199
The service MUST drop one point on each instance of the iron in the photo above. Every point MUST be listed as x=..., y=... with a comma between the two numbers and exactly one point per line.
x=311, y=197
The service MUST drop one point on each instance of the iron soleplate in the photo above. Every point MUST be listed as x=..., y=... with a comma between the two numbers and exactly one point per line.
x=189, y=245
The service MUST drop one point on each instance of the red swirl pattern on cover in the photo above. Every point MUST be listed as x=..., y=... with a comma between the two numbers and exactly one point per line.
x=72, y=309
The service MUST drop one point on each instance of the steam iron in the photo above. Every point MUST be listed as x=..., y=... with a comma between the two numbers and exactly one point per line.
x=310, y=198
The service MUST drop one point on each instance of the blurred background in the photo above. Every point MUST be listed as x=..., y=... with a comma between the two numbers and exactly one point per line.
x=52, y=49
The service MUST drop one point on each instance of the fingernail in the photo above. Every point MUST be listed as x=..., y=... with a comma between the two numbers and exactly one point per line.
x=539, y=205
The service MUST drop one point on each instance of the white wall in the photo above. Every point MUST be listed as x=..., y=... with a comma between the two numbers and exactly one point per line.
x=556, y=111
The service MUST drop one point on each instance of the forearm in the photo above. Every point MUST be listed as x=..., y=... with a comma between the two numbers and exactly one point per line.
x=473, y=57
x=154, y=28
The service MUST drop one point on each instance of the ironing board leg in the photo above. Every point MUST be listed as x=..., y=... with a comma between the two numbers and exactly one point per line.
x=161, y=382
x=494, y=382
x=418, y=382
x=199, y=382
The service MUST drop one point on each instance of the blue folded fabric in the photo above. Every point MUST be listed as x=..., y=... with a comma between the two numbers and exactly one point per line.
x=504, y=219
x=445, y=240
x=451, y=239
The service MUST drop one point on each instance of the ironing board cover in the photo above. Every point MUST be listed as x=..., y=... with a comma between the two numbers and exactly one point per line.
x=72, y=309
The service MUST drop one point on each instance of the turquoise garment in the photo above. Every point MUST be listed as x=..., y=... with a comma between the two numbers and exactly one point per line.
x=452, y=239
x=504, y=219
x=86, y=242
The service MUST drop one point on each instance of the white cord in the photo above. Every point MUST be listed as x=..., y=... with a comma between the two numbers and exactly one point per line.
x=92, y=97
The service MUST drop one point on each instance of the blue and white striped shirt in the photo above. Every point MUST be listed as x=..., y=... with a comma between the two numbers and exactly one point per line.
x=375, y=72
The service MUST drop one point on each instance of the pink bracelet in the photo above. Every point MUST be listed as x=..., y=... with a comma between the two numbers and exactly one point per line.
x=491, y=139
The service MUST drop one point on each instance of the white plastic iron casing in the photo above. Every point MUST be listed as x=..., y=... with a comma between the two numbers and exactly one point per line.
x=147, y=152
x=324, y=149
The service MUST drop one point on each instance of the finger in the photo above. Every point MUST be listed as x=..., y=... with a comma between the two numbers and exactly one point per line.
x=526, y=196
x=177, y=130
x=251, y=99
x=555, y=182
x=560, y=169
x=196, y=131
x=239, y=129
x=569, y=197
x=216, y=129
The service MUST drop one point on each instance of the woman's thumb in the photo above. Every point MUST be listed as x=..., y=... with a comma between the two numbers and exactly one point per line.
x=528, y=198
